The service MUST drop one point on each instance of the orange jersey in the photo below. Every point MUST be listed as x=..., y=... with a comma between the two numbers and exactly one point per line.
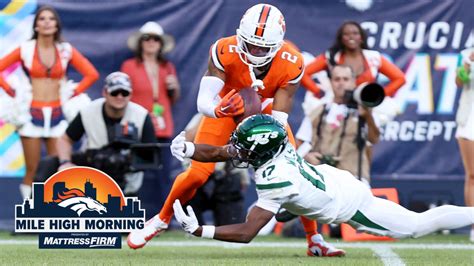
x=57, y=71
x=287, y=67
x=373, y=64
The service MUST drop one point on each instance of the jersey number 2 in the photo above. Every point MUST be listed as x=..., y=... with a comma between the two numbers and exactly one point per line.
x=289, y=57
x=233, y=49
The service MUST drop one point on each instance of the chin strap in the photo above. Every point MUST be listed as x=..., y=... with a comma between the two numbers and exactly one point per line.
x=257, y=84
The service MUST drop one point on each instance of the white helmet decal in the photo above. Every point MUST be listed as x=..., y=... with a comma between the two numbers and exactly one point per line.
x=262, y=25
x=262, y=138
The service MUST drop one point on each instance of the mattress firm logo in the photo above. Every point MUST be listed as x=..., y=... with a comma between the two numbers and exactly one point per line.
x=79, y=207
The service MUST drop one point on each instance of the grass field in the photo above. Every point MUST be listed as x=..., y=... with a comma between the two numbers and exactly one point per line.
x=175, y=248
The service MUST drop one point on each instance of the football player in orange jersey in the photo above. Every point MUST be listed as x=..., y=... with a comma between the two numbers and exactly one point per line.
x=257, y=57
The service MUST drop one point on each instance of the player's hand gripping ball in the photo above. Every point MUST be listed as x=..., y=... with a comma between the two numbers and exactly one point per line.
x=252, y=104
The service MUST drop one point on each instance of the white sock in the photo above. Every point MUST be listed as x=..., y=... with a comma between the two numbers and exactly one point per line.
x=157, y=223
x=316, y=238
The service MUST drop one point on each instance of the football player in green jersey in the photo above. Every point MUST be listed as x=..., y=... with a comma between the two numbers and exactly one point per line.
x=321, y=192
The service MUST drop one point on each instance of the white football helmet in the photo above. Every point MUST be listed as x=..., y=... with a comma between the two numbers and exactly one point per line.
x=263, y=26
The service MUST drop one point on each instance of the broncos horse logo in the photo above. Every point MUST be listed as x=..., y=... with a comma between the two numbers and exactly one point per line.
x=75, y=200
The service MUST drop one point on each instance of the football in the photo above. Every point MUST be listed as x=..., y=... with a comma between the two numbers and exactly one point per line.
x=252, y=104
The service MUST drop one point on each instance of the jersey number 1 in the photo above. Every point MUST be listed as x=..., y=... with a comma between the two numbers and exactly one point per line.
x=268, y=171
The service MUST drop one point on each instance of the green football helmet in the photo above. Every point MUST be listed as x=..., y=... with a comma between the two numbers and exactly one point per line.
x=258, y=139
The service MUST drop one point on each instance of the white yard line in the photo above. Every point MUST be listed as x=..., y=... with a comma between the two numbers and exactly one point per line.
x=387, y=256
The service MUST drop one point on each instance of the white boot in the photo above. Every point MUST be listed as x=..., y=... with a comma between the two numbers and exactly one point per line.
x=139, y=238
x=25, y=191
x=471, y=237
x=320, y=248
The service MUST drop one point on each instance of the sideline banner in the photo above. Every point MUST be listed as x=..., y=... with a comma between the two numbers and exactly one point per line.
x=422, y=38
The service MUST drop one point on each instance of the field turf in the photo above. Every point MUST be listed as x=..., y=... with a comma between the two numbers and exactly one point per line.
x=176, y=248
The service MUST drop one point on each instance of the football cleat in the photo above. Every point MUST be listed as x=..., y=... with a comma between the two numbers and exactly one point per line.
x=320, y=248
x=138, y=238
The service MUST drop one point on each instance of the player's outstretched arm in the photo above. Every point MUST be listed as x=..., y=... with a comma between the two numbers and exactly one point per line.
x=209, y=153
x=180, y=148
x=241, y=233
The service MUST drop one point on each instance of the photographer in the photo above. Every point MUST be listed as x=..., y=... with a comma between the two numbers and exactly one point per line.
x=330, y=133
x=111, y=124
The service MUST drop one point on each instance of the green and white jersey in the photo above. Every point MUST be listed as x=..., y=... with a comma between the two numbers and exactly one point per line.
x=322, y=192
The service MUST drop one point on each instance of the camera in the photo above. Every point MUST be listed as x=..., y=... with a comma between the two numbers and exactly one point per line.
x=135, y=157
x=366, y=94
x=125, y=153
x=146, y=156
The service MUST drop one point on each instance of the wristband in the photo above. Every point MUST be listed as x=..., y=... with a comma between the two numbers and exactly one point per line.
x=463, y=75
x=208, y=231
x=282, y=117
x=189, y=149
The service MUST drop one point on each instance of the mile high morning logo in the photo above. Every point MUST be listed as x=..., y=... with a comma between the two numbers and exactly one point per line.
x=79, y=207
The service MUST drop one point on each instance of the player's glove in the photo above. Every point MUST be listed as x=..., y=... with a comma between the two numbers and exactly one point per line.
x=180, y=148
x=188, y=221
x=231, y=105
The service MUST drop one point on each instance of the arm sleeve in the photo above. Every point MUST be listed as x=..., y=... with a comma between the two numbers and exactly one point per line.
x=7, y=61
x=318, y=64
x=75, y=130
x=87, y=70
x=148, y=133
x=396, y=76
x=208, y=95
